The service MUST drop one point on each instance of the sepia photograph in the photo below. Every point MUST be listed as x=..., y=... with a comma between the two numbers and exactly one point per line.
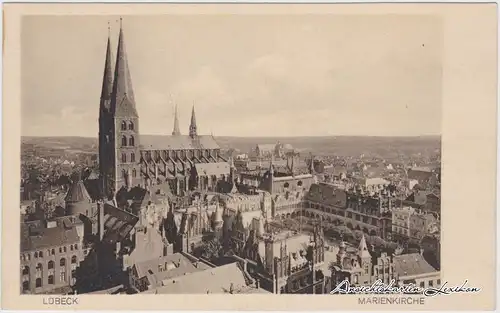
x=153, y=162
x=209, y=150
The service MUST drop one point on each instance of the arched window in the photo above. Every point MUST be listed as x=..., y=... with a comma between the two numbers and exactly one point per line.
x=132, y=157
x=51, y=265
x=62, y=262
x=53, y=251
x=38, y=283
x=286, y=185
x=73, y=259
x=39, y=267
x=36, y=255
x=26, y=270
x=131, y=141
x=76, y=247
x=134, y=173
x=124, y=174
x=71, y=247
x=124, y=158
x=40, y=254
x=124, y=125
x=124, y=141
x=131, y=126
x=26, y=285
x=51, y=279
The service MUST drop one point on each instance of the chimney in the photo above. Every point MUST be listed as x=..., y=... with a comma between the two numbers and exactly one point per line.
x=275, y=282
x=118, y=247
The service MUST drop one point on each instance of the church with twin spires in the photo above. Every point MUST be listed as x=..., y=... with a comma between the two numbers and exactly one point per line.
x=128, y=160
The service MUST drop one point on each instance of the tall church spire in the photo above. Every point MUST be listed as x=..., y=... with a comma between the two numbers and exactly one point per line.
x=107, y=79
x=193, y=131
x=123, y=102
x=176, y=131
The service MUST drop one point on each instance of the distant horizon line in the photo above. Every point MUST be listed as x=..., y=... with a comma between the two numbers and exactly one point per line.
x=300, y=136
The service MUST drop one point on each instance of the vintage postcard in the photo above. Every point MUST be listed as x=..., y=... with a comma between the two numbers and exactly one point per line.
x=249, y=157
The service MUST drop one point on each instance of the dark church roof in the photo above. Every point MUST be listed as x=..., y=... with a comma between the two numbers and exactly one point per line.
x=327, y=194
x=77, y=193
x=179, y=142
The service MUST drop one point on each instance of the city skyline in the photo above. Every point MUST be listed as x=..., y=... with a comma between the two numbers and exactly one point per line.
x=254, y=87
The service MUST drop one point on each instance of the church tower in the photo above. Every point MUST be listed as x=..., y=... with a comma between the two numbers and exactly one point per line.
x=193, y=131
x=365, y=260
x=119, y=127
x=106, y=146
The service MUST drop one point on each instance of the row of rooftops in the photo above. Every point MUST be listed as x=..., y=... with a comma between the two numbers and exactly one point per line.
x=405, y=265
x=181, y=273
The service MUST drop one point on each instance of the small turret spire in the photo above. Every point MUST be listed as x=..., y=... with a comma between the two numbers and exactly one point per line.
x=363, y=248
x=176, y=131
x=193, y=130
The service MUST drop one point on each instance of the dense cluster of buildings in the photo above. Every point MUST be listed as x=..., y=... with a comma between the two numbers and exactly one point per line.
x=175, y=216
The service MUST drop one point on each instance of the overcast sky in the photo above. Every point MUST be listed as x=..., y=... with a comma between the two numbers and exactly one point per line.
x=248, y=75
